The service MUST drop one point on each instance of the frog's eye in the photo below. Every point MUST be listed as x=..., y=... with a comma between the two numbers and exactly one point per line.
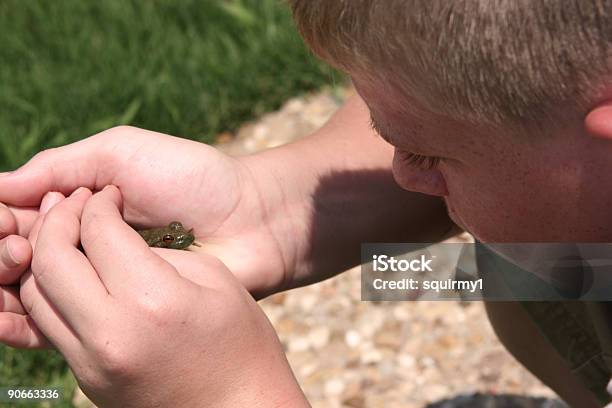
x=168, y=238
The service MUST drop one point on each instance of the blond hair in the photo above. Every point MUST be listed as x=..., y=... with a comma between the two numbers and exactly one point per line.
x=500, y=62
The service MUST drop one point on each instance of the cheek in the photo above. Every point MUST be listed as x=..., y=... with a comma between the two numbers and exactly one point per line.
x=474, y=215
x=509, y=209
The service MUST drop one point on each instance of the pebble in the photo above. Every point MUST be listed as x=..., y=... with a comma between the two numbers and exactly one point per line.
x=352, y=338
x=333, y=387
x=298, y=344
x=388, y=339
x=319, y=337
x=406, y=360
x=371, y=356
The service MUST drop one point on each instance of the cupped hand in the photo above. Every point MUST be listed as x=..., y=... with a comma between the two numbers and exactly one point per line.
x=148, y=327
x=162, y=179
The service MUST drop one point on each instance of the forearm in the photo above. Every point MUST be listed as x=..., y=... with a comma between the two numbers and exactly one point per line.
x=334, y=191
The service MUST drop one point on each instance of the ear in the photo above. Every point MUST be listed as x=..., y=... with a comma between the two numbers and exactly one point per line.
x=598, y=122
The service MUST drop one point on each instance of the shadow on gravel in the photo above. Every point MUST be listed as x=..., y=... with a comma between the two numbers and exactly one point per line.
x=340, y=201
x=497, y=401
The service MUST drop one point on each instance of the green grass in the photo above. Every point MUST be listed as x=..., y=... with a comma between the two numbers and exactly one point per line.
x=69, y=69
x=45, y=368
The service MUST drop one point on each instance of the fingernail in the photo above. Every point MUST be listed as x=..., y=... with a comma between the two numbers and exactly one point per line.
x=107, y=187
x=7, y=256
x=48, y=202
x=79, y=191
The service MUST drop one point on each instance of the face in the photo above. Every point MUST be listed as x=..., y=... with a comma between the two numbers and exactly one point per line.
x=174, y=236
x=499, y=187
x=180, y=240
x=177, y=237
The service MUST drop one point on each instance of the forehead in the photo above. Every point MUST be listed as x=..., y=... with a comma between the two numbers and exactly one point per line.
x=410, y=126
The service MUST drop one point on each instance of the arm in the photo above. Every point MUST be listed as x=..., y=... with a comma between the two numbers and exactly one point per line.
x=329, y=192
x=279, y=219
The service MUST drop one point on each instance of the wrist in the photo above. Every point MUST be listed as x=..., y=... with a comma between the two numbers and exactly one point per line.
x=270, y=395
x=271, y=179
x=262, y=379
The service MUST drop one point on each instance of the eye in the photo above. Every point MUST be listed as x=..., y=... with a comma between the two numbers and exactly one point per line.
x=168, y=238
x=420, y=161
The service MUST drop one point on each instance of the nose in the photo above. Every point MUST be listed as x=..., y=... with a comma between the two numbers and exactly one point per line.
x=411, y=177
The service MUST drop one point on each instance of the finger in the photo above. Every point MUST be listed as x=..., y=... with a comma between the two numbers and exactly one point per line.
x=121, y=257
x=20, y=331
x=15, y=257
x=16, y=251
x=63, y=169
x=25, y=218
x=8, y=223
x=9, y=300
x=45, y=316
x=49, y=201
x=62, y=272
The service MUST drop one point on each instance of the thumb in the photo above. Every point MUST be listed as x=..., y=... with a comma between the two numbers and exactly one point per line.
x=49, y=201
x=62, y=169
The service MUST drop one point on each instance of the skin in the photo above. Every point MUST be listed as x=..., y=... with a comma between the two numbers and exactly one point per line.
x=296, y=235
x=109, y=156
x=174, y=236
x=151, y=289
x=484, y=168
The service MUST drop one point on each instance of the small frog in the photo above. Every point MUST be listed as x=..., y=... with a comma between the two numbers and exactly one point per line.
x=174, y=236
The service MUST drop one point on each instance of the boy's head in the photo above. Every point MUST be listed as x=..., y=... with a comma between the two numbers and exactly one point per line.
x=497, y=105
